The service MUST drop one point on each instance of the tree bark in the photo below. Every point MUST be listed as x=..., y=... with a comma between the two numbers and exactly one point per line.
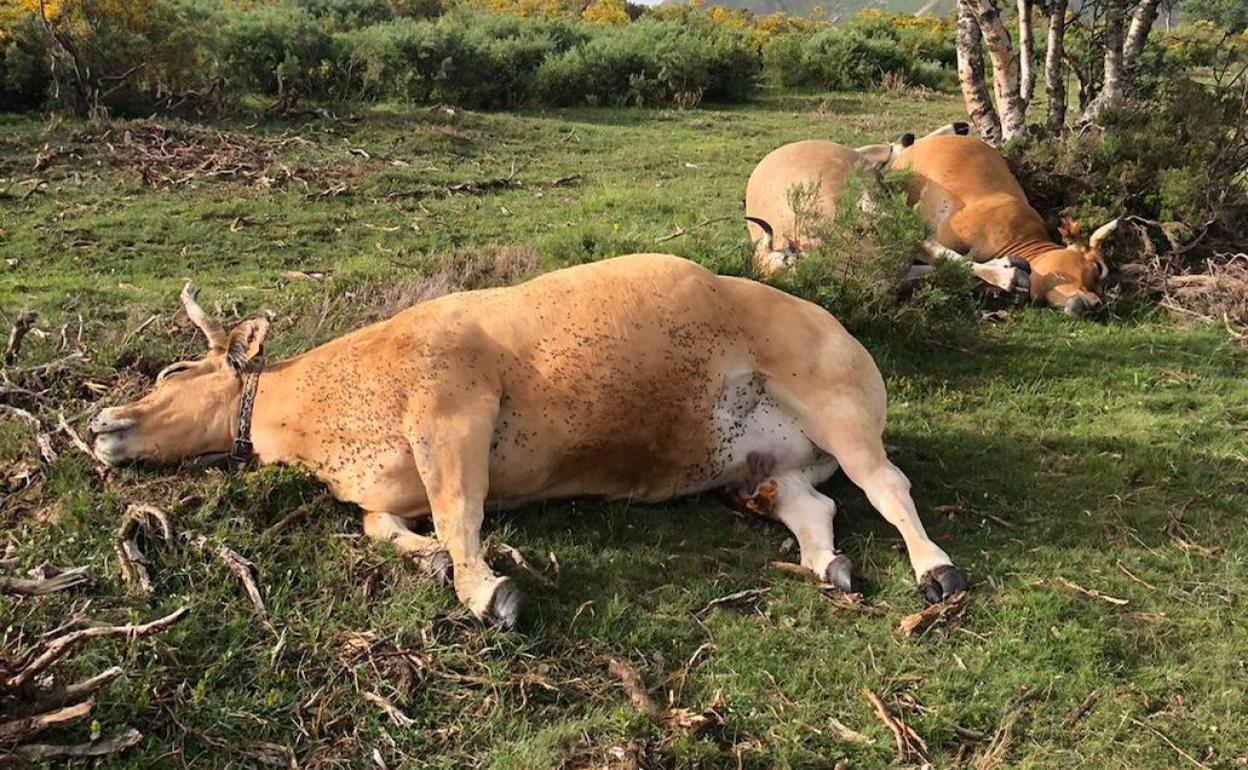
x=1113, y=85
x=1026, y=62
x=1141, y=24
x=1004, y=70
x=971, y=75
x=1054, y=83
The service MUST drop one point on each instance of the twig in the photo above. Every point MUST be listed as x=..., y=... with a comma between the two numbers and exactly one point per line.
x=18, y=730
x=947, y=611
x=1091, y=592
x=72, y=693
x=682, y=231
x=1174, y=530
x=132, y=561
x=1084, y=706
x=40, y=751
x=61, y=645
x=24, y=323
x=1171, y=744
x=517, y=557
x=242, y=568
x=284, y=522
x=994, y=756
x=398, y=717
x=846, y=734
x=794, y=569
x=82, y=446
x=139, y=329
x=1123, y=569
x=905, y=738
x=42, y=440
x=733, y=598
x=40, y=586
x=630, y=681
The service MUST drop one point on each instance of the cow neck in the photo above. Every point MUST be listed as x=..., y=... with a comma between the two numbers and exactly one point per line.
x=1029, y=249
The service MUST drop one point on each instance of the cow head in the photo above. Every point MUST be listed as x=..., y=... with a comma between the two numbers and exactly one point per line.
x=193, y=407
x=771, y=254
x=1070, y=278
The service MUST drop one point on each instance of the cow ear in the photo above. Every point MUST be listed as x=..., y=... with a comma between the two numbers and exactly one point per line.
x=876, y=156
x=1070, y=231
x=245, y=343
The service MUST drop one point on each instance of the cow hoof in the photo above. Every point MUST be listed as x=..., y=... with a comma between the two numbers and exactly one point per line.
x=436, y=564
x=497, y=602
x=1022, y=283
x=961, y=128
x=939, y=583
x=840, y=573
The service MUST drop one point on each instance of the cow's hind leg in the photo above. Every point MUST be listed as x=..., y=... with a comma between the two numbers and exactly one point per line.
x=846, y=420
x=428, y=553
x=808, y=515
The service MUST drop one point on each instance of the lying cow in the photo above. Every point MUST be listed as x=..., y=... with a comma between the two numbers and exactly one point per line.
x=964, y=191
x=643, y=377
x=976, y=208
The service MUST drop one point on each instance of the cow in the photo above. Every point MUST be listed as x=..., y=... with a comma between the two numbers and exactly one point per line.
x=643, y=377
x=775, y=228
x=977, y=208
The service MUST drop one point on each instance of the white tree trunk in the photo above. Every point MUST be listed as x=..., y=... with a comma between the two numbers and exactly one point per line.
x=971, y=75
x=1113, y=85
x=1026, y=62
x=1010, y=104
x=1054, y=83
x=1141, y=24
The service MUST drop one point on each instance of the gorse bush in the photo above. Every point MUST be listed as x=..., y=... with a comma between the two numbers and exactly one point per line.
x=844, y=59
x=858, y=269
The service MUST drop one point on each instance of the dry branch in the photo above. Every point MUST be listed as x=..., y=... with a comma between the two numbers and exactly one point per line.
x=737, y=597
x=242, y=568
x=69, y=694
x=909, y=744
x=39, y=751
x=1084, y=707
x=133, y=562
x=42, y=439
x=396, y=715
x=502, y=549
x=1175, y=530
x=66, y=643
x=948, y=611
x=24, y=323
x=1091, y=592
x=18, y=730
x=43, y=585
x=994, y=756
x=630, y=682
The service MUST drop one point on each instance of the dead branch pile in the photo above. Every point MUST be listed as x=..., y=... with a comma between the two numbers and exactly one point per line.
x=1215, y=290
x=175, y=155
x=37, y=694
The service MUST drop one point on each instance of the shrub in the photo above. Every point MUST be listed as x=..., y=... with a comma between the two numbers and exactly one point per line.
x=844, y=59
x=858, y=269
x=24, y=74
x=650, y=62
x=281, y=51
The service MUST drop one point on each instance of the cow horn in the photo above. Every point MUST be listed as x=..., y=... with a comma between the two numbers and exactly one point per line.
x=211, y=329
x=768, y=234
x=1101, y=233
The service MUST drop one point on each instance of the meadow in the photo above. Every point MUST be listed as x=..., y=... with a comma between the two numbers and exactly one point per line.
x=1088, y=477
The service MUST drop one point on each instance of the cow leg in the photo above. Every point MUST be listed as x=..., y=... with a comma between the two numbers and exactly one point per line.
x=452, y=457
x=429, y=554
x=808, y=515
x=847, y=423
x=1009, y=275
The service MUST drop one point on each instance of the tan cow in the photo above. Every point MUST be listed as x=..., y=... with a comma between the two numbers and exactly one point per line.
x=774, y=225
x=967, y=194
x=643, y=377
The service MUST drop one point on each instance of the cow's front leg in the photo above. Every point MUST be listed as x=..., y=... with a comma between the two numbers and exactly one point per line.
x=428, y=553
x=808, y=515
x=1009, y=274
x=452, y=456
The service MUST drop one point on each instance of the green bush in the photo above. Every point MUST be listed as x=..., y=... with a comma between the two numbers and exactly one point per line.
x=845, y=59
x=24, y=73
x=650, y=62
x=282, y=51
x=858, y=269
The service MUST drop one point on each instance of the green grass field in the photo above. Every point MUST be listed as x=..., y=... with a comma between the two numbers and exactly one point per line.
x=1046, y=456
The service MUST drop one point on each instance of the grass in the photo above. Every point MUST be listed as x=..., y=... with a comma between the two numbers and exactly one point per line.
x=1050, y=451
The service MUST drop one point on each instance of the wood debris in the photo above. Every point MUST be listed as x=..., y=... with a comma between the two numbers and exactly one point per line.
x=846, y=734
x=678, y=721
x=994, y=755
x=1091, y=592
x=396, y=715
x=502, y=549
x=1176, y=531
x=909, y=744
x=242, y=568
x=131, y=559
x=59, y=580
x=21, y=327
x=942, y=613
x=1083, y=708
x=738, y=597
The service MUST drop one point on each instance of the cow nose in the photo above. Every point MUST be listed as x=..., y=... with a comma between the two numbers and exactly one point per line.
x=1080, y=306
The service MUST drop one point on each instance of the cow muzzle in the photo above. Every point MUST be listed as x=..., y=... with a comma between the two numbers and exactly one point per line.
x=109, y=433
x=1084, y=305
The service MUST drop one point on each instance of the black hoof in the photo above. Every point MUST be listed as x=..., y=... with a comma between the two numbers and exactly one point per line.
x=436, y=564
x=1021, y=264
x=840, y=573
x=1023, y=284
x=940, y=583
x=961, y=129
x=504, y=609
